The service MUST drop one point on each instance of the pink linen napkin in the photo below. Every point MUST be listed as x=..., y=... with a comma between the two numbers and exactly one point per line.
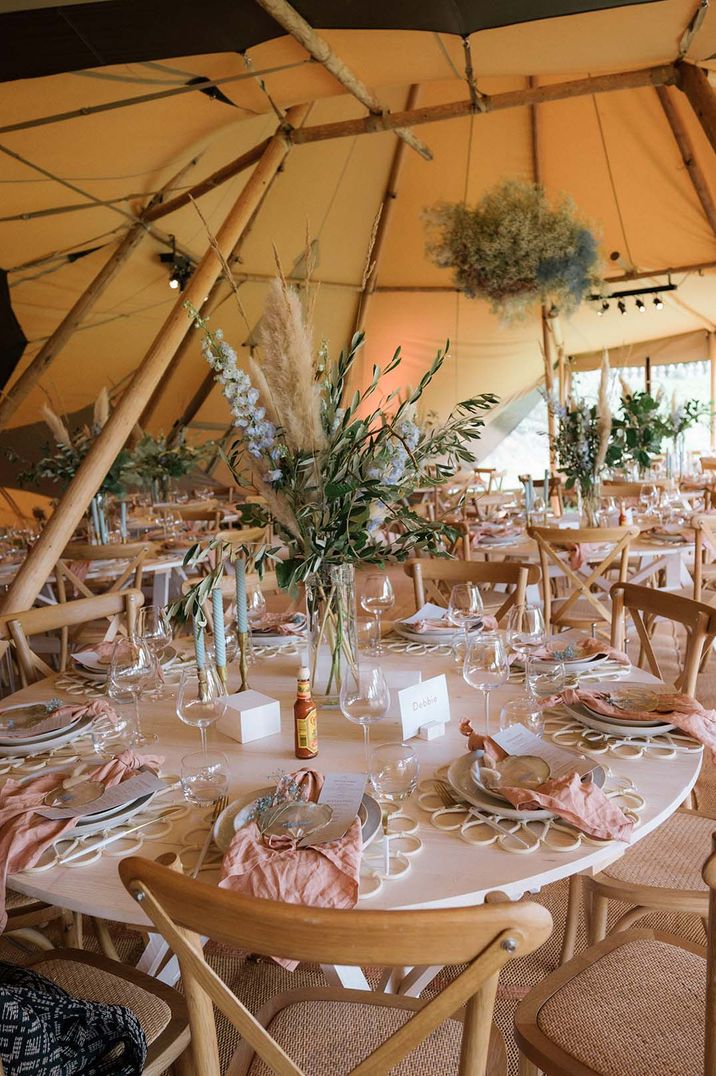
x=581, y=553
x=62, y=716
x=24, y=835
x=325, y=876
x=585, y=648
x=102, y=650
x=280, y=624
x=683, y=711
x=581, y=803
x=488, y=623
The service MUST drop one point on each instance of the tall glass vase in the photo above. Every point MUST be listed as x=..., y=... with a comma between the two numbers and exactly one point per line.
x=332, y=636
x=590, y=503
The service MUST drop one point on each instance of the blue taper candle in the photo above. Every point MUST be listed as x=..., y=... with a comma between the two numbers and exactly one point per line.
x=95, y=519
x=123, y=520
x=199, y=648
x=242, y=616
x=217, y=608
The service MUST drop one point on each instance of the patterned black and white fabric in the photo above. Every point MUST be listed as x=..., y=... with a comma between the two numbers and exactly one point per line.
x=46, y=1032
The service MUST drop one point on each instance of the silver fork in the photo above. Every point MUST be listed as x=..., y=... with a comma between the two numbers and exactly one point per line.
x=450, y=799
x=219, y=806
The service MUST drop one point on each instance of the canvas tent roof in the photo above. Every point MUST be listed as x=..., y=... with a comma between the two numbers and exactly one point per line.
x=614, y=153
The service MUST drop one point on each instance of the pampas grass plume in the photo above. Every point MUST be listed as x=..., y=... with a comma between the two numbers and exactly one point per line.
x=57, y=427
x=604, y=415
x=101, y=409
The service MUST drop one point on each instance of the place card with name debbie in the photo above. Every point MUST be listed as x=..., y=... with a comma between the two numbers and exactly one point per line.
x=424, y=703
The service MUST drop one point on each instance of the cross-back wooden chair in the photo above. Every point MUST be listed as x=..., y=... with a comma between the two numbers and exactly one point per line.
x=210, y=513
x=19, y=628
x=708, y=464
x=610, y=1011
x=645, y=605
x=630, y=491
x=305, y=1022
x=704, y=525
x=585, y=603
x=433, y=578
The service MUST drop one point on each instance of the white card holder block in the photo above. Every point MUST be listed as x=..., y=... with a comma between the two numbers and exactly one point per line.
x=249, y=715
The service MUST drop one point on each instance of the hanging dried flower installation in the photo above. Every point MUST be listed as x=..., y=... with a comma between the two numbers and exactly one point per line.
x=515, y=249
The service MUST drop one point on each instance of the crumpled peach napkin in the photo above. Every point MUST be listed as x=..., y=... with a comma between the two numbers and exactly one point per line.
x=62, y=716
x=24, y=835
x=581, y=803
x=325, y=876
x=102, y=650
x=683, y=711
x=280, y=624
x=579, y=649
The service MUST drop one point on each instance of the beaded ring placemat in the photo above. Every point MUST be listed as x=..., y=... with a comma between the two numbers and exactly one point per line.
x=568, y=732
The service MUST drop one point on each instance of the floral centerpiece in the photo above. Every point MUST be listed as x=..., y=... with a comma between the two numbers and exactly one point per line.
x=515, y=249
x=680, y=418
x=637, y=431
x=155, y=463
x=335, y=467
x=582, y=444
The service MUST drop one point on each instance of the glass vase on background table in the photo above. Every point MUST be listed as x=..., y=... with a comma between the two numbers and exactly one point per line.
x=200, y=700
x=377, y=598
x=131, y=674
x=364, y=700
x=485, y=668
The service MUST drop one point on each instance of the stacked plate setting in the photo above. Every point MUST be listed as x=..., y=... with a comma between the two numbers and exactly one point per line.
x=35, y=744
x=621, y=726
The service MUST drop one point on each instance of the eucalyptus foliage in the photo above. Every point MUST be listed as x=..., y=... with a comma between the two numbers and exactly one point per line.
x=154, y=459
x=637, y=431
x=61, y=465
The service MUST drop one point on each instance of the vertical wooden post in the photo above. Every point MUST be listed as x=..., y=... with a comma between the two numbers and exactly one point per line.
x=647, y=375
x=695, y=85
x=712, y=371
x=45, y=553
x=548, y=355
x=59, y=338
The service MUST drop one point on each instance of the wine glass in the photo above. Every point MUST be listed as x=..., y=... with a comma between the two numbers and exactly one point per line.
x=465, y=609
x=364, y=699
x=131, y=672
x=377, y=598
x=525, y=629
x=155, y=628
x=200, y=699
x=256, y=606
x=648, y=498
x=485, y=667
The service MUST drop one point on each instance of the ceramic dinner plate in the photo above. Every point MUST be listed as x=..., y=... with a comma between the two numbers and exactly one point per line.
x=29, y=737
x=100, y=820
x=621, y=726
x=91, y=666
x=48, y=742
x=238, y=813
x=462, y=782
x=438, y=635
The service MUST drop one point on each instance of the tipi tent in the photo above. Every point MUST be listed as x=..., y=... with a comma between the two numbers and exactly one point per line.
x=299, y=125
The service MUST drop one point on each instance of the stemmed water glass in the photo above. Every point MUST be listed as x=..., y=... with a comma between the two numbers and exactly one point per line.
x=131, y=672
x=364, y=700
x=156, y=630
x=256, y=607
x=485, y=667
x=377, y=598
x=200, y=700
x=525, y=629
x=465, y=608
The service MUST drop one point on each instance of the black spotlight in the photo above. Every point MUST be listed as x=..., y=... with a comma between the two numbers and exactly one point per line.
x=658, y=302
x=181, y=267
x=640, y=306
x=622, y=306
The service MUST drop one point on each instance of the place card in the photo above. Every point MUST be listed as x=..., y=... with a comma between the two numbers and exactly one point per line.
x=343, y=792
x=518, y=740
x=429, y=611
x=424, y=703
x=142, y=783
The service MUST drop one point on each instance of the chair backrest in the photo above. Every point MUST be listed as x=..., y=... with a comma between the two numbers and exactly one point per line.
x=433, y=578
x=587, y=583
x=708, y=463
x=208, y=512
x=630, y=491
x=645, y=605
x=20, y=627
x=135, y=553
x=704, y=525
x=485, y=938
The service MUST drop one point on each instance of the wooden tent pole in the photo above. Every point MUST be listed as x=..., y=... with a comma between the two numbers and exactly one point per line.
x=45, y=553
x=548, y=355
x=386, y=209
x=688, y=156
x=694, y=83
x=60, y=337
x=664, y=75
x=712, y=371
x=295, y=25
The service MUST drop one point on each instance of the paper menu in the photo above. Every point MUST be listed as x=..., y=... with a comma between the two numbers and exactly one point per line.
x=518, y=740
x=429, y=611
x=343, y=792
x=142, y=783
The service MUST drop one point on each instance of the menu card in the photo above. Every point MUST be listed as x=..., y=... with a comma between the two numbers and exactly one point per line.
x=430, y=611
x=343, y=792
x=142, y=783
x=518, y=740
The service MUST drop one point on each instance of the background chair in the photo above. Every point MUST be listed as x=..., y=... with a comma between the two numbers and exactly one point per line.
x=20, y=628
x=308, y=1021
x=585, y=603
x=434, y=578
x=641, y=1002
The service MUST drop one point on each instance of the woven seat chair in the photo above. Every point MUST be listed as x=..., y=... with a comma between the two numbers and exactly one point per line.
x=641, y=1003
x=433, y=578
x=586, y=603
x=161, y=1011
x=331, y=1031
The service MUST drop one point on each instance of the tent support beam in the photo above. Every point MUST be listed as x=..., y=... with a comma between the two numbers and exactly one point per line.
x=386, y=209
x=44, y=555
x=665, y=74
x=688, y=156
x=295, y=25
x=712, y=370
x=694, y=83
x=60, y=337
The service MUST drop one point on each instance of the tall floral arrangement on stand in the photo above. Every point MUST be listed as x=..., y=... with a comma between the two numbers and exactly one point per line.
x=582, y=444
x=515, y=249
x=335, y=469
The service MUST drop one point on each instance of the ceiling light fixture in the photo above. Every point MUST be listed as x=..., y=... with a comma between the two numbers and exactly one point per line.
x=622, y=306
x=640, y=306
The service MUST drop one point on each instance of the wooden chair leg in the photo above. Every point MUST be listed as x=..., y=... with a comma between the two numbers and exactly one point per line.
x=30, y=935
x=598, y=918
x=72, y=929
x=572, y=921
x=105, y=940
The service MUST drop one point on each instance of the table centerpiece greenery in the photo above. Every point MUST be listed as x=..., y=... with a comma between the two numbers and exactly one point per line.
x=582, y=445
